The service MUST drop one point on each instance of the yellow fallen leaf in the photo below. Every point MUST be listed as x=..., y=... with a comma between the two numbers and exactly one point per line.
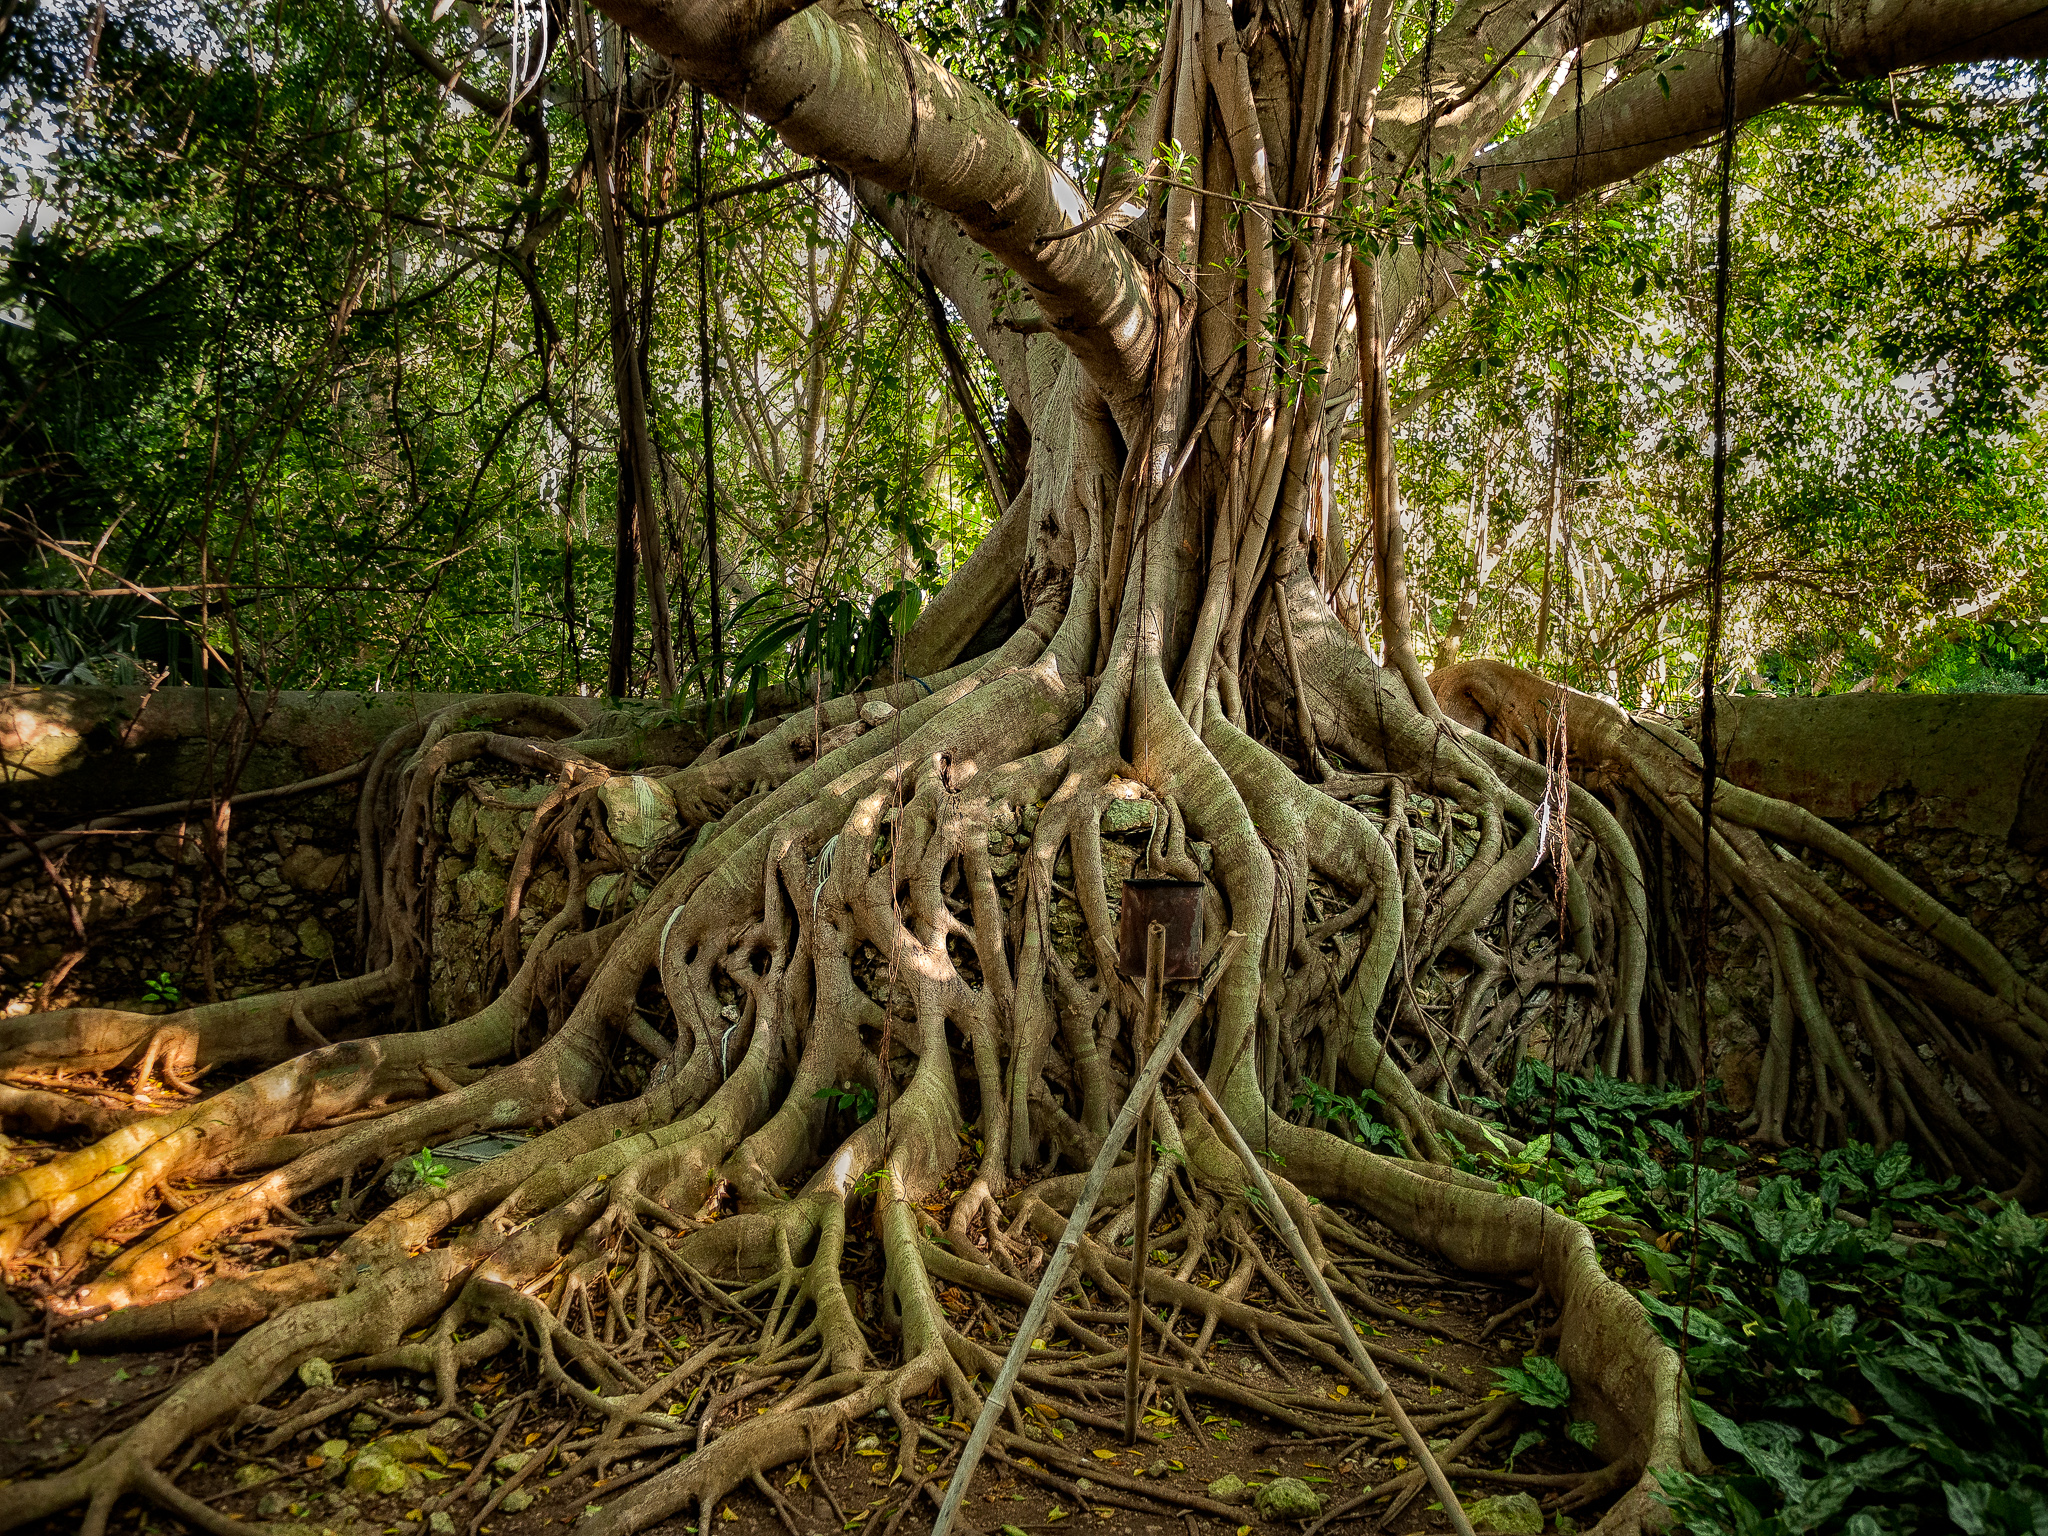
x=315, y=1460
x=536, y=1434
x=1102, y=1455
x=799, y=1479
x=1346, y=1391
x=726, y=1512
x=1245, y=1530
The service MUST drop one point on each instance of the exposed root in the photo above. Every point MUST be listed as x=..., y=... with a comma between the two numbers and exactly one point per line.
x=1888, y=1009
x=873, y=940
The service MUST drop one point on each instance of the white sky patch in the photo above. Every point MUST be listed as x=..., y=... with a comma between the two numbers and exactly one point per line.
x=28, y=162
x=1072, y=201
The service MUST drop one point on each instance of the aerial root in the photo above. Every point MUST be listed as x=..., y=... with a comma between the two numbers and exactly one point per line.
x=763, y=943
x=1888, y=1011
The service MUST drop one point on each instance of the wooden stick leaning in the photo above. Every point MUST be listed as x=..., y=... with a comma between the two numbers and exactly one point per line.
x=1141, y=1215
x=1142, y=1090
x=1332, y=1308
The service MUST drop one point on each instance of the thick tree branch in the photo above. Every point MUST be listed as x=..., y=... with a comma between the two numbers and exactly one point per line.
x=957, y=268
x=1484, y=65
x=838, y=85
x=1636, y=124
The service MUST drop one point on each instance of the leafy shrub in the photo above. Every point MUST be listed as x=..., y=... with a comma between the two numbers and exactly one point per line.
x=1866, y=1343
x=1865, y=1380
x=1353, y=1115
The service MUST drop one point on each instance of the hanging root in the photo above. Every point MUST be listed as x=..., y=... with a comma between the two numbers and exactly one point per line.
x=1888, y=1015
x=875, y=1007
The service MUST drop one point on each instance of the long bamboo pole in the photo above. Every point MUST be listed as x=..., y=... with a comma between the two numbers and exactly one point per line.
x=1332, y=1308
x=1142, y=1089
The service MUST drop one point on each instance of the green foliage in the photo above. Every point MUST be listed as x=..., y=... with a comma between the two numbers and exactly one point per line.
x=829, y=638
x=1888, y=395
x=1997, y=657
x=858, y=1097
x=1603, y=1143
x=161, y=988
x=1353, y=1115
x=1542, y=1385
x=428, y=1169
x=1865, y=1379
x=1538, y=1381
x=291, y=319
x=1866, y=1341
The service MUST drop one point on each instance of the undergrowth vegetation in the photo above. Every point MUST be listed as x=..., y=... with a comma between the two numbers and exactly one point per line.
x=1864, y=1342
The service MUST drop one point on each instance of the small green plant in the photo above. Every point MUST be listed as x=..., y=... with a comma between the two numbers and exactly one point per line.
x=428, y=1169
x=857, y=1097
x=1354, y=1115
x=826, y=635
x=1538, y=1381
x=1541, y=1383
x=161, y=988
x=1556, y=1182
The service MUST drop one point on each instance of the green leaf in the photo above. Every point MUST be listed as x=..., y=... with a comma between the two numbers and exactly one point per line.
x=1539, y=1381
x=1523, y=1441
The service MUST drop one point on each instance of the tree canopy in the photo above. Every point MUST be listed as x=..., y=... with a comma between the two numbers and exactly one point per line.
x=282, y=303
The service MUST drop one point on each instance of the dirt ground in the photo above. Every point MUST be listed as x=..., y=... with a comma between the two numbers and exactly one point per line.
x=460, y=1482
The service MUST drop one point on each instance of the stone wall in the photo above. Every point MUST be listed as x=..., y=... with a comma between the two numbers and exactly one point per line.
x=286, y=917
x=279, y=909
x=2001, y=889
x=1952, y=790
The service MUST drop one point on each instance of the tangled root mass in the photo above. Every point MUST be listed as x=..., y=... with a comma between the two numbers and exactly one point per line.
x=805, y=1042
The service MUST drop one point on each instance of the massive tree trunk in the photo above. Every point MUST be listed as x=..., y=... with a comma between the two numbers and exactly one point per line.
x=1184, y=365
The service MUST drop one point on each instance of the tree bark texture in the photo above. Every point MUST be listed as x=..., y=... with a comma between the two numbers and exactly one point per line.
x=906, y=888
